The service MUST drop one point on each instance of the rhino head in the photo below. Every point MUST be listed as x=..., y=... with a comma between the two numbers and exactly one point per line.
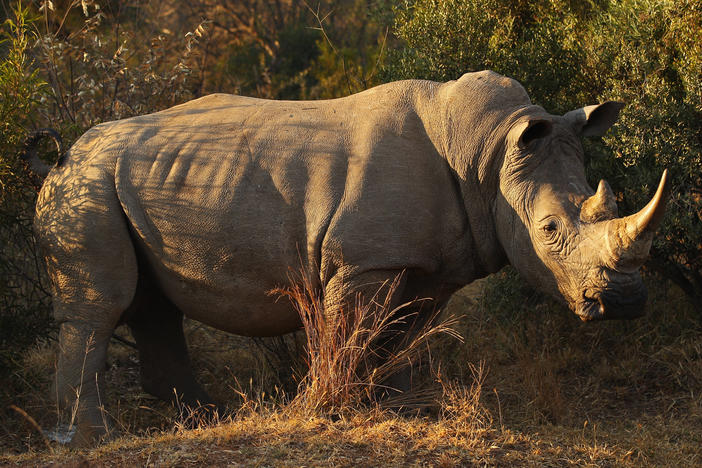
x=562, y=236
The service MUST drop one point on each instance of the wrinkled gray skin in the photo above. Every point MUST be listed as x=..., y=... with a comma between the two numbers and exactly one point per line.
x=203, y=208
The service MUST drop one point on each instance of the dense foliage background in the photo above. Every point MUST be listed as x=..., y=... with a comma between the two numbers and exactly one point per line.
x=70, y=64
x=567, y=53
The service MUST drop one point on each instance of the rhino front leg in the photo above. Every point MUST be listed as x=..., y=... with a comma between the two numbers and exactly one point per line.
x=386, y=288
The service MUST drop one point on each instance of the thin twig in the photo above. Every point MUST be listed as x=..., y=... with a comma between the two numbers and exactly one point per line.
x=320, y=21
x=124, y=341
x=33, y=423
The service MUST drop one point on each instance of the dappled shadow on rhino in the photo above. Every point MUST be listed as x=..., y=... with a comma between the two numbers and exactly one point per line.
x=201, y=210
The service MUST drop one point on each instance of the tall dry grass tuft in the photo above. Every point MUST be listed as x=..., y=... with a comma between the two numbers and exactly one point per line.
x=345, y=366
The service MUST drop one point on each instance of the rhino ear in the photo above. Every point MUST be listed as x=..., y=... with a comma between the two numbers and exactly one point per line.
x=594, y=120
x=533, y=130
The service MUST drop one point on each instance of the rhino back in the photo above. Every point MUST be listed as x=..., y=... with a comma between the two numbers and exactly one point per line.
x=219, y=211
x=226, y=194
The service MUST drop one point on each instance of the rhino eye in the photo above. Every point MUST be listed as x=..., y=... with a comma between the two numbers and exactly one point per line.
x=550, y=227
x=552, y=233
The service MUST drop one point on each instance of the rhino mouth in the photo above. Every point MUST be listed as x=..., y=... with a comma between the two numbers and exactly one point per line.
x=612, y=303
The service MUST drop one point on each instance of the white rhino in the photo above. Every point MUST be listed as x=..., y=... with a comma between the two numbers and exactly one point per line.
x=203, y=208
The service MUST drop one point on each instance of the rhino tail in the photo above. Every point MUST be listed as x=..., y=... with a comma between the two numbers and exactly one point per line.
x=29, y=154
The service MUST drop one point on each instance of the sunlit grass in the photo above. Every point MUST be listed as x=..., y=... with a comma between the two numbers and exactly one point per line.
x=344, y=369
x=530, y=386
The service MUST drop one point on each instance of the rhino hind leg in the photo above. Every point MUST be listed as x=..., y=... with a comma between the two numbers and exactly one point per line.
x=165, y=368
x=84, y=333
x=91, y=263
x=79, y=382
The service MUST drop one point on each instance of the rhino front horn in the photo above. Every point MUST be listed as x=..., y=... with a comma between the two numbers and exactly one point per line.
x=629, y=238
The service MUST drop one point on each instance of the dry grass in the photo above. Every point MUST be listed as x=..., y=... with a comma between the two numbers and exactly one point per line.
x=551, y=392
x=268, y=438
x=344, y=369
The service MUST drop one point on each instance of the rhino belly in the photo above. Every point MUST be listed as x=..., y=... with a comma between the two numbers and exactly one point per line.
x=218, y=258
x=243, y=304
x=227, y=285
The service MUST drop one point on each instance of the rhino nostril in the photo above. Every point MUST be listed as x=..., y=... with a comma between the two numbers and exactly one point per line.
x=602, y=306
x=591, y=307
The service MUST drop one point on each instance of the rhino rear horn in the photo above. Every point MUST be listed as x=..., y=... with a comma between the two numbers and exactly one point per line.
x=629, y=238
x=602, y=205
x=594, y=120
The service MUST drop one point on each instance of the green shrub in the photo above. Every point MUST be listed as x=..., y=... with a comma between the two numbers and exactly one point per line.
x=70, y=82
x=444, y=39
x=20, y=90
x=654, y=63
x=24, y=311
x=567, y=54
x=111, y=64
